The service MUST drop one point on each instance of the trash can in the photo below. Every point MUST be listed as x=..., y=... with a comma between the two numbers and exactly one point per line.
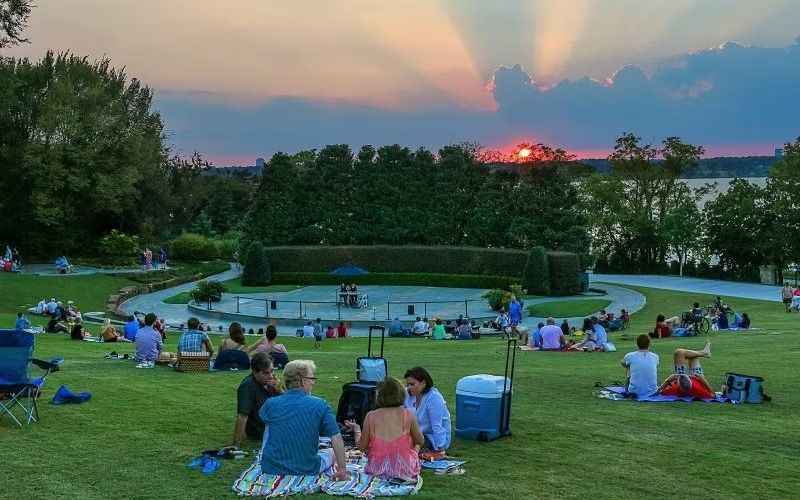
x=482, y=408
x=411, y=309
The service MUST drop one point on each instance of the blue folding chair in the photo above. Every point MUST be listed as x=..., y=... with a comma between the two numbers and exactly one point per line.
x=17, y=389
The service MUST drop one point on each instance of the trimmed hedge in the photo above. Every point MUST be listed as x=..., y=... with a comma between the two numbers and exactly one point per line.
x=400, y=259
x=565, y=273
x=257, y=269
x=193, y=247
x=417, y=279
x=536, y=277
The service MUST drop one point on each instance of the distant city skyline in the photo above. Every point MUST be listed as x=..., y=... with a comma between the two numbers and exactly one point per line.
x=239, y=81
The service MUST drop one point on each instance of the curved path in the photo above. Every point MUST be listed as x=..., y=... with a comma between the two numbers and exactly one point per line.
x=177, y=314
x=694, y=285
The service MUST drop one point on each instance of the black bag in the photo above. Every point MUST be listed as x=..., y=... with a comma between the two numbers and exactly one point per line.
x=369, y=369
x=744, y=388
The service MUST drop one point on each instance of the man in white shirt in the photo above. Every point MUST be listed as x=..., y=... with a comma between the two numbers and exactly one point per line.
x=552, y=336
x=641, y=367
x=420, y=327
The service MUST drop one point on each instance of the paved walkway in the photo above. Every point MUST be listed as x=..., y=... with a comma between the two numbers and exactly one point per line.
x=177, y=314
x=696, y=285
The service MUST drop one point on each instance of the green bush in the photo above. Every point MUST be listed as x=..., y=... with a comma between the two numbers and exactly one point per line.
x=208, y=290
x=193, y=247
x=226, y=248
x=257, y=270
x=118, y=248
x=410, y=279
x=565, y=273
x=498, y=299
x=399, y=259
x=536, y=276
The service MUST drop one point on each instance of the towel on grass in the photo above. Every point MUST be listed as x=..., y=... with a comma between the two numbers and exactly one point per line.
x=64, y=396
x=442, y=464
x=617, y=393
x=252, y=482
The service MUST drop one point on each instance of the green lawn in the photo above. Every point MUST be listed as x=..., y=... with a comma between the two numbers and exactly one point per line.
x=568, y=308
x=234, y=286
x=141, y=427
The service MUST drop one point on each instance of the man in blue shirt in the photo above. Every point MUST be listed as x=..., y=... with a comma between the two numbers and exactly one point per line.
x=131, y=327
x=194, y=340
x=22, y=323
x=294, y=423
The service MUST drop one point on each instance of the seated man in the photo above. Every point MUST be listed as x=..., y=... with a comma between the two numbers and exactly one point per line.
x=193, y=340
x=552, y=336
x=502, y=321
x=420, y=327
x=396, y=328
x=688, y=379
x=295, y=421
x=641, y=367
x=149, y=346
x=254, y=390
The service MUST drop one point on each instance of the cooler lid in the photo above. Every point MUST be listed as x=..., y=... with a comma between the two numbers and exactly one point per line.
x=482, y=384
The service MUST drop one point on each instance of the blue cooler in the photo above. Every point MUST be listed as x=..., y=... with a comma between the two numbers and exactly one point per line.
x=482, y=409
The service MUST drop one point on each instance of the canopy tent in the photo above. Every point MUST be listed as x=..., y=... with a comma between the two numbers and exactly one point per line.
x=349, y=270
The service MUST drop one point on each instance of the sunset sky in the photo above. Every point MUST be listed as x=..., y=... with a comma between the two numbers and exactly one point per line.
x=236, y=80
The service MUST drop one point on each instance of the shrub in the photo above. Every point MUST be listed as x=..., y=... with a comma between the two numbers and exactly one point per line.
x=118, y=244
x=257, y=269
x=193, y=247
x=498, y=299
x=208, y=290
x=400, y=259
x=536, y=276
x=565, y=273
x=226, y=248
x=416, y=279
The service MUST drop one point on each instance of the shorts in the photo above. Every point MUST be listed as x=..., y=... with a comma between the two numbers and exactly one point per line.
x=787, y=301
x=318, y=338
x=681, y=370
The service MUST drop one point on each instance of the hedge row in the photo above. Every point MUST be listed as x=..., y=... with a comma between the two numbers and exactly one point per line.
x=410, y=279
x=565, y=273
x=400, y=259
x=195, y=247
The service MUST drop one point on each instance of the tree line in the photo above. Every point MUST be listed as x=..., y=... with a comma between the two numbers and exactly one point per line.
x=83, y=152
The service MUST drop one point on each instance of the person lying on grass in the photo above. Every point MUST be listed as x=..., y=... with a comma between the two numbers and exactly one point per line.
x=688, y=378
x=294, y=422
x=391, y=437
x=254, y=390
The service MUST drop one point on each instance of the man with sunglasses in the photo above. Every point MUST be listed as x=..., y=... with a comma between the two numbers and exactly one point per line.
x=295, y=422
x=254, y=390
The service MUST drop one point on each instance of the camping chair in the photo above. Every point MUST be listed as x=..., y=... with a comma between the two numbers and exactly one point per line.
x=17, y=389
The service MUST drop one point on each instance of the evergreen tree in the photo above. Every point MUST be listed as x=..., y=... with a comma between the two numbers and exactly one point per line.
x=257, y=270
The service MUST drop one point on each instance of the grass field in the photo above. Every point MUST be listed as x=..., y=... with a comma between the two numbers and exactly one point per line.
x=134, y=438
x=568, y=308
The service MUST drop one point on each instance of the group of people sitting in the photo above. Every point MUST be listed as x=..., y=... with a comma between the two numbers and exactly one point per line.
x=687, y=324
x=63, y=318
x=234, y=351
x=437, y=329
x=348, y=295
x=687, y=378
x=315, y=329
x=290, y=423
x=551, y=337
x=10, y=261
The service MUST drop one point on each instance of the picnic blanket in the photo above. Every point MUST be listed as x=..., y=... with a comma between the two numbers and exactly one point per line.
x=443, y=464
x=617, y=393
x=252, y=482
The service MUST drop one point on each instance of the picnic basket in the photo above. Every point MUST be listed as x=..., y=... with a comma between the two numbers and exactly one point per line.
x=193, y=362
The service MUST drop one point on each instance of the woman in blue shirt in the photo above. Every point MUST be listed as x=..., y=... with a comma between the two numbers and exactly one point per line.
x=429, y=407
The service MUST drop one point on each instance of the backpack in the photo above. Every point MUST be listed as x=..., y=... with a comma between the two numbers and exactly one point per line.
x=744, y=388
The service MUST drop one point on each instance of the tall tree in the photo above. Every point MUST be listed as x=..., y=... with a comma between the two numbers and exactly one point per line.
x=14, y=15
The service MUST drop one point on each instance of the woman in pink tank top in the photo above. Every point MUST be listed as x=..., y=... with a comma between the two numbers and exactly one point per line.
x=391, y=437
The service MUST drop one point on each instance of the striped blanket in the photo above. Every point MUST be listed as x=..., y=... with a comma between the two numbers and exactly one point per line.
x=252, y=482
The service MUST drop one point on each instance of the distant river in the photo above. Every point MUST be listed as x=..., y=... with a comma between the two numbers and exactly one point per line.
x=722, y=185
